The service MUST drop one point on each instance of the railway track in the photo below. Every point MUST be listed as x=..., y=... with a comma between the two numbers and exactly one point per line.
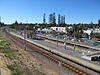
x=71, y=43
x=47, y=54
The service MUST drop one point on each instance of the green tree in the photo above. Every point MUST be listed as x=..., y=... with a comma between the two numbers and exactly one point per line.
x=95, y=35
x=59, y=17
x=51, y=19
x=62, y=20
x=44, y=20
x=99, y=21
x=54, y=19
x=16, y=23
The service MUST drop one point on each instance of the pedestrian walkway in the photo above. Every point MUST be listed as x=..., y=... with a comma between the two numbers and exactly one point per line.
x=60, y=48
x=85, y=44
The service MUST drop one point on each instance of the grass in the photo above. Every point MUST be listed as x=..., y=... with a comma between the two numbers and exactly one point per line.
x=5, y=48
x=11, y=54
x=18, y=70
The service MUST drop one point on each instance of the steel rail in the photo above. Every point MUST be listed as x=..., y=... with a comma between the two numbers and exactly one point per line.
x=56, y=60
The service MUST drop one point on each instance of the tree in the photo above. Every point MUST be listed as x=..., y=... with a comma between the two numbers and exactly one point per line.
x=62, y=20
x=99, y=21
x=2, y=24
x=44, y=20
x=54, y=19
x=16, y=23
x=50, y=19
x=59, y=17
x=95, y=35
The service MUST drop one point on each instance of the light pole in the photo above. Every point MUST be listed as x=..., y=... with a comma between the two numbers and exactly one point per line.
x=65, y=42
x=57, y=38
x=74, y=37
x=25, y=38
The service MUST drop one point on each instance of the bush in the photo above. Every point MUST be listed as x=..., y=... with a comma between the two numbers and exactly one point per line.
x=95, y=35
x=11, y=67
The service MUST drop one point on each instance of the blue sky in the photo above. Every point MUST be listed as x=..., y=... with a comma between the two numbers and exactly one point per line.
x=76, y=11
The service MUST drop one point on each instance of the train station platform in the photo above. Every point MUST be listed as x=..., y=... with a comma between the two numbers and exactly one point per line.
x=69, y=51
x=82, y=44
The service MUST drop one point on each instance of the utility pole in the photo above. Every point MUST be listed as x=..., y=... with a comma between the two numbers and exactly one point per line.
x=57, y=38
x=25, y=38
x=65, y=43
x=74, y=37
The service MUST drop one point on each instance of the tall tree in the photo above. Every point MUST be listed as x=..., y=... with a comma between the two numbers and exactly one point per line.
x=54, y=19
x=99, y=21
x=16, y=23
x=64, y=19
x=91, y=23
x=50, y=19
x=59, y=17
x=44, y=20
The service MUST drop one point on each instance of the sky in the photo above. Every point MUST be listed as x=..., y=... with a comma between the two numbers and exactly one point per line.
x=31, y=11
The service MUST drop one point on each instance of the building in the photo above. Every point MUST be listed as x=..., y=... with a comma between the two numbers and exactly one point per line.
x=96, y=30
x=60, y=29
x=92, y=57
x=92, y=31
x=88, y=31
